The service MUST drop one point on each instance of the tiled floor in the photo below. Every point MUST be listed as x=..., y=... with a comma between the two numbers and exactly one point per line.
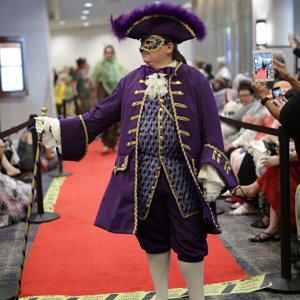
x=254, y=258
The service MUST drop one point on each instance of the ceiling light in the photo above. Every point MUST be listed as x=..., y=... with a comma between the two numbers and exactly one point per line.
x=85, y=12
x=83, y=18
x=88, y=4
x=62, y=22
x=86, y=24
x=261, y=32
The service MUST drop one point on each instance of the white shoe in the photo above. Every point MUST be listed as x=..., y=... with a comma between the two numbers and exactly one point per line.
x=242, y=210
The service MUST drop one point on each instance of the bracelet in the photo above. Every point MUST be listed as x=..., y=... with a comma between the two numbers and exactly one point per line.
x=263, y=101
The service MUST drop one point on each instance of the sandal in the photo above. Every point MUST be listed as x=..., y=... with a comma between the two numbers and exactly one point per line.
x=269, y=237
x=244, y=197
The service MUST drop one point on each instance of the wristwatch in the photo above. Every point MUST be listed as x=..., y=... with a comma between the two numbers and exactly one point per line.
x=263, y=101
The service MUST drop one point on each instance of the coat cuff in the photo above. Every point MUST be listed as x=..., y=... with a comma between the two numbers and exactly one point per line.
x=214, y=156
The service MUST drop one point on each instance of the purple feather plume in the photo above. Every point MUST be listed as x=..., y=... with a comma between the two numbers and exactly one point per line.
x=121, y=24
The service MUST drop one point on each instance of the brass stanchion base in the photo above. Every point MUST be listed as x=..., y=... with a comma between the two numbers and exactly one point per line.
x=283, y=285
x=44, y=217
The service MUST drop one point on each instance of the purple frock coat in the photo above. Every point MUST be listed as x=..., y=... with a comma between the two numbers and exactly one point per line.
x=198, y=128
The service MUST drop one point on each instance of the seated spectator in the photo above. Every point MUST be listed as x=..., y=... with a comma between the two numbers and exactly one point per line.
x=269, y=184
x=49, y=160
x=222, y=68
x=14, y=200
x=6, y=167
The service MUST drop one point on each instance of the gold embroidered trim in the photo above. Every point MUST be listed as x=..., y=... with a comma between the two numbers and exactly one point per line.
x=217, y=153
x=189, y=165
x=180, y=93
x=153, y=188
x=176, y=82
x=134, y=118
x=136, y=103
x=139, y=92
x=85, y=134
x=178, y=66
x=130, y=131
x=184, y=119
x=181, y=105
x=123, y=166
x=129, y=144
x=194, y=166
x=184, y=133
x=187, y=147
x=161, y=16
x=135, y=227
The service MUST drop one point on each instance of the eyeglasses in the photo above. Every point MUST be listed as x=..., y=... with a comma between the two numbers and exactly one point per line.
x=244, y=95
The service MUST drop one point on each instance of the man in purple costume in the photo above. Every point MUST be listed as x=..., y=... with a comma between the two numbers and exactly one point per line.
x=170, y=166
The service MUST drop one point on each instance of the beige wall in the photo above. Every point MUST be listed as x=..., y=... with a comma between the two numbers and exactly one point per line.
x=30, y=20
x=69, y=44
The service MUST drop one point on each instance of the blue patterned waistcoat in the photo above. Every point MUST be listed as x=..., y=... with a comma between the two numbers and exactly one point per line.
x=159, y=151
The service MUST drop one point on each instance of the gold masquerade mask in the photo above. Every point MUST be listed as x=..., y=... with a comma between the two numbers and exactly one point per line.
x=152, y=43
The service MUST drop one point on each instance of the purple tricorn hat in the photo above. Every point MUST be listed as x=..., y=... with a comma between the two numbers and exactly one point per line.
x=162, y=19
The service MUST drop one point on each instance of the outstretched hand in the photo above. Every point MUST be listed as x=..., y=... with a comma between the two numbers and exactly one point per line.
x=280, y=68
x=259, y=88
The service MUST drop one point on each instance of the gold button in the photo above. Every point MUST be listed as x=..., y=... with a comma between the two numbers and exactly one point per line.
x=161, y=137
x=161, y=109
x=148, y=205
x=161, y=156
x=160, y=127
x=161, y=147
x=160, y=117
x=123, y=165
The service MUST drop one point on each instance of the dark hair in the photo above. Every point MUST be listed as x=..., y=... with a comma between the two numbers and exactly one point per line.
x=176, y=55
x=107, y=47
x=246, y=85
x=208, y=68
x=80, y=61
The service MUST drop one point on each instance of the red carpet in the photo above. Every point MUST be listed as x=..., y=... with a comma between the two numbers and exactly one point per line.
x=70, y=256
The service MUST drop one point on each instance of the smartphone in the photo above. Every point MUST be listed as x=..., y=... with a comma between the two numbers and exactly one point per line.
x=276, y=92
x=263, y=65
x=278, y=97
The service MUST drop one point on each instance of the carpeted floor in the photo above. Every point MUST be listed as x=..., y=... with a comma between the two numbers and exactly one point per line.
x=253, y=258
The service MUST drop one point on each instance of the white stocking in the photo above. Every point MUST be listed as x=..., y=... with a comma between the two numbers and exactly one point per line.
x=193, y=275
x=159, y=267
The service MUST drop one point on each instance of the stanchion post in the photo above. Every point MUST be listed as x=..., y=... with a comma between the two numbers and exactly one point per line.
x=41, y=216
x=39, y=186
x=285, y=227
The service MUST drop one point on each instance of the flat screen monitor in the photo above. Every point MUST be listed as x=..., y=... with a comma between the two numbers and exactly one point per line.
x=12, y=68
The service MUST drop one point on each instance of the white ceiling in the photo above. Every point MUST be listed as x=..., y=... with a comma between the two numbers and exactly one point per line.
x=70, y=11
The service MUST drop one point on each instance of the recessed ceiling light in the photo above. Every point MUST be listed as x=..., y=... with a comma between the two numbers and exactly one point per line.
x=85, y=12
x=86, y=24
x=62, y=22
x=83, y=18
x=88, y=4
